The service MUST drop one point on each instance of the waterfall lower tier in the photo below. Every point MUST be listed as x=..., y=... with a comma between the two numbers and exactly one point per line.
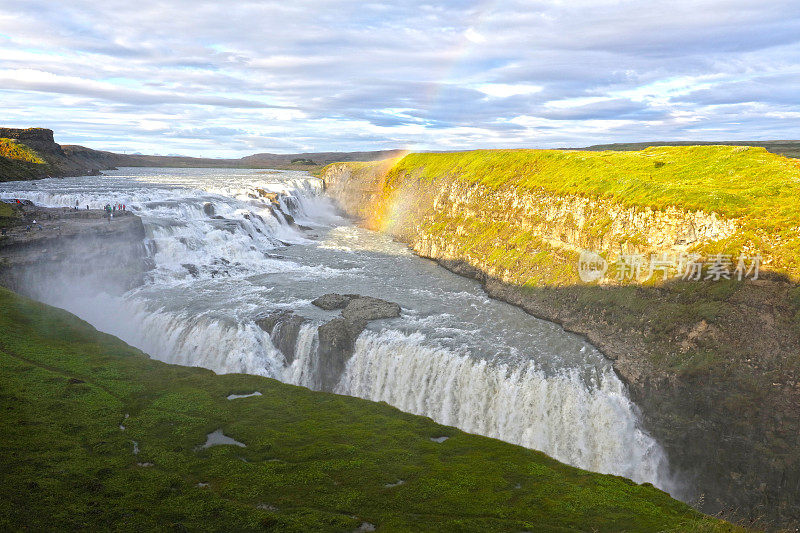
x=592, y=426
x=583, y=420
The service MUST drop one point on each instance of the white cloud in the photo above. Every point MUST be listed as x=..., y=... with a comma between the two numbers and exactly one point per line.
x=568, y=103
x=473, y=36
x=504, y=90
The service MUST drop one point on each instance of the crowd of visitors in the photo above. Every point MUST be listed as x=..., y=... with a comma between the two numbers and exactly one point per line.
x=110, y=210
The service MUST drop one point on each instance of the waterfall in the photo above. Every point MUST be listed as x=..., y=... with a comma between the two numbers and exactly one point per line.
x=219, y=268
x=303, y=370
x=592, y=426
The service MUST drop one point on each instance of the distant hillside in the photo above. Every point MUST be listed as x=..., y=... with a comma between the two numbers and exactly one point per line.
x=304, y=161
x=17, y=161
x=32, y=153
x=786, y=148
x=319, y=158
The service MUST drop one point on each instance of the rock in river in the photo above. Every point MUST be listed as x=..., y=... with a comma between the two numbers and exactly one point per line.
x=336, y=338
x=332, y=301
x=368, y=308
x=283, y=327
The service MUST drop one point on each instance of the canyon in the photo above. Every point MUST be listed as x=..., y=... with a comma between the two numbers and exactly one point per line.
x=713, y=365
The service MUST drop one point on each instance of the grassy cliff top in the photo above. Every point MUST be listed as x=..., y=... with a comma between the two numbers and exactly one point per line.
x=98, y=436
x=20, y=162
x=734, y=181
x=756, y=188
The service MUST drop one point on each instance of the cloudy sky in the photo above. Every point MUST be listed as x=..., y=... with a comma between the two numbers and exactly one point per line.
x=237, y=77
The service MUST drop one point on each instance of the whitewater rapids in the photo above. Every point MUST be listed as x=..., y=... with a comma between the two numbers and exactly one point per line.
x=454, y=355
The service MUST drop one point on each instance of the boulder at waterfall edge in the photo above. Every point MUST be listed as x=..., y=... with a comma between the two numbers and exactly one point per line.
x=336, y=338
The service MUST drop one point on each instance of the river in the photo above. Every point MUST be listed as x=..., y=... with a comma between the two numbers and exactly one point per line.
x=454, y=355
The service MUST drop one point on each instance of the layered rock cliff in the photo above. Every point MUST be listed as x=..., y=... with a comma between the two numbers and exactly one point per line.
x=714, y=365
x=57, y=248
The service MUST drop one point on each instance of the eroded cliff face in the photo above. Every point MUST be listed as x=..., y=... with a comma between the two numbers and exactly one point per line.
x=713, y=365
x=451, y=220
x=72, y=250
x=544, y=223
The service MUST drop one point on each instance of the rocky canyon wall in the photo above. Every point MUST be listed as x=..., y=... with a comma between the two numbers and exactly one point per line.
x=72, y=250
x=712, y=364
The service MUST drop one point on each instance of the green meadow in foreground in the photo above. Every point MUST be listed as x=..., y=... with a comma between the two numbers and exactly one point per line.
x=312, y=461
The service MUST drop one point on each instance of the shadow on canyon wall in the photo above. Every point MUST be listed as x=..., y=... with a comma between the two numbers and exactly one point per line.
x=714, y=367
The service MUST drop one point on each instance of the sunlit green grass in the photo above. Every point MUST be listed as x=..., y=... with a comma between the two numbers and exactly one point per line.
x=731, y=180
x=11, y=149
x=758, y=189
x=313, y=461
x=20, y=162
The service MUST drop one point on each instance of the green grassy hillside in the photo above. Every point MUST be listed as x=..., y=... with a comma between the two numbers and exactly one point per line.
x=787, y=148
x=312, y=461
x=11, y=149
x=19, y=162
x=734, y=181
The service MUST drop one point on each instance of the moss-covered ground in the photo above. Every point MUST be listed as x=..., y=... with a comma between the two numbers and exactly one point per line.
x=312, y=461
x=734, y=181
x=786, y=148
x=9, y=215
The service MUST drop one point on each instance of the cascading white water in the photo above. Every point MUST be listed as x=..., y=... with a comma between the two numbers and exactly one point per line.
x=454, y=355
x=591, y=426
x=302, y=371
